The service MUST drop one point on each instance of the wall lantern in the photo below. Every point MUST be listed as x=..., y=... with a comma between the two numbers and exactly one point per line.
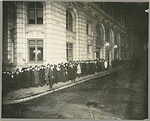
x=115, y=46
x=107, y=44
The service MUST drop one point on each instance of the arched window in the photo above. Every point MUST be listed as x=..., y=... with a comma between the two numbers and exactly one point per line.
x=98, y=32
x=35, y=13
x=69, y=21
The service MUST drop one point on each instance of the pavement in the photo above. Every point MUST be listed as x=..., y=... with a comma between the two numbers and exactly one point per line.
x=26, y=94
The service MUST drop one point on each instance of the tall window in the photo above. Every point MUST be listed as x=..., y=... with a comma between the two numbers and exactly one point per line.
x=97, y=52
x=69, y=21
x=69, y=51
x=35, y=13
x=98, y=33
x=87, y=28
x=35, y=50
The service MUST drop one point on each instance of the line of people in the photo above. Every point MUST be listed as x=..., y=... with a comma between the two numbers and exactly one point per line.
x=123, y=62
x=50, y=74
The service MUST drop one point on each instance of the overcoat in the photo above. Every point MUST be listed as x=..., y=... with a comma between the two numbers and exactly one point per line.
x=36, y=75
x=59, y=74
x=78, y=69
x=66, y=75
x=51, y=77
x=5, y=83
x=63, y=73
x=105, y=64
x=71, y=73
x=41, y=75
x=17, y=80
x=46, y=75
x=55, y=75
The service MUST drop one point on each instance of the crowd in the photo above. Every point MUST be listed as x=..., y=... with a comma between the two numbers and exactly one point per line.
x=50, y=74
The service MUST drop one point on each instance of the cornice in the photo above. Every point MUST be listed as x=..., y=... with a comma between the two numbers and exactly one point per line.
x=97, y=14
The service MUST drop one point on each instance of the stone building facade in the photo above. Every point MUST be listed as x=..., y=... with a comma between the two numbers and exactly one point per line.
x=36, y=33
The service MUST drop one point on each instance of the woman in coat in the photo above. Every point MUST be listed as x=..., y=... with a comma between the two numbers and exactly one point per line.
x=106, y=65
x=78, y=70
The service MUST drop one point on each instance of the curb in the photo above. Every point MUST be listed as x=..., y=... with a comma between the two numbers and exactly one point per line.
x=27, y=98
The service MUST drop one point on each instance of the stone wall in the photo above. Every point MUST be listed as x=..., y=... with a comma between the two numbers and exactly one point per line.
x=54, y=34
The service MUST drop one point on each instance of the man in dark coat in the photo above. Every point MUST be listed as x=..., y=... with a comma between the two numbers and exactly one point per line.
x=32, y=73
x=55, y=74
x=28, y=74
x=66, y=71
x=71, y=73
x=63, y=72
x=46, y=74
x=5, y=82
x=51, y=76
x=41, y=75
x=87, y=67
x=90, y=67
x=59, y=72
x=36, y=76
x=75, y=67
x=12, y=81
x=82, y=69
x=24, y=78
x=17, y=79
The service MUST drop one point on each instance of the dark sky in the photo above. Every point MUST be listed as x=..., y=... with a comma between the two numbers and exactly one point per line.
x=135, y=17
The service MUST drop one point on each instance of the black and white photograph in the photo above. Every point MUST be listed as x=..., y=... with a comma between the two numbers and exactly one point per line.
x=75, y=60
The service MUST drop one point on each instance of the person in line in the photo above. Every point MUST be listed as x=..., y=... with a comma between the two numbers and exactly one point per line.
x=79, y=70
x=41, y=75
x=46, y=74
x=51, y=77
x=36, y=76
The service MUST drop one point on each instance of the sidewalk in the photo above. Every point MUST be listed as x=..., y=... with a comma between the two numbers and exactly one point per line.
x=26, y=94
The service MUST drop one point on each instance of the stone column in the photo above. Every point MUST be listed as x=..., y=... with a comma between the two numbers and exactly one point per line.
x=82, y=40
x=55, y=33
x=21, y=42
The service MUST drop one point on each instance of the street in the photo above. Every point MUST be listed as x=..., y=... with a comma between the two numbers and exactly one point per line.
x=119, y=95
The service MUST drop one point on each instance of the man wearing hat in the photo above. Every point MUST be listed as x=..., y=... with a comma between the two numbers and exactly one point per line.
x=46, y=74
x=55, y=74
x=5, y=82
x=41, y=75
x=36, y=76
x=59, y=72
x=51, y=76
x=17, y=78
